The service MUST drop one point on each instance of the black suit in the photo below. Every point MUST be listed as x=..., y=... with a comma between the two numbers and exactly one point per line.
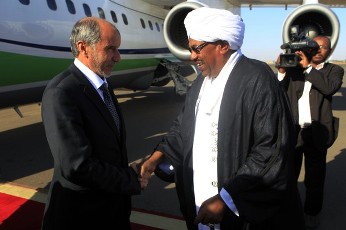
x=314, y=141
x=325, y=82
x=92, y=184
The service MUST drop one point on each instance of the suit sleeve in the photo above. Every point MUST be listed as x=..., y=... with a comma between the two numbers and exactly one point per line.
x=172, y=144
x=74, y=152
x=327, y=82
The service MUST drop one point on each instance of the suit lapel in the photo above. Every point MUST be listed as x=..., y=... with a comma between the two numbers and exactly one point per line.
x=94, y=97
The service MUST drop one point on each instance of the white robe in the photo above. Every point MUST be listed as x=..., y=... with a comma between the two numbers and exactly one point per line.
x=206, y=133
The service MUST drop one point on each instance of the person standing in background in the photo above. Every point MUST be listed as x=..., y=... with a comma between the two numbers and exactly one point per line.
x=310, y=87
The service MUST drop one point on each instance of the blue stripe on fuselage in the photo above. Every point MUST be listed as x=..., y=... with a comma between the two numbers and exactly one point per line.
x=68, y=49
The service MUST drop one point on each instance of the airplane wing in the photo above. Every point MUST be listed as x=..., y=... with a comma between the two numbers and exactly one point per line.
x=330, y=3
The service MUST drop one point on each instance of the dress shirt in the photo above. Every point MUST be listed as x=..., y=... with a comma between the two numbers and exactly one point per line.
x=304, y=100
x=94, y=79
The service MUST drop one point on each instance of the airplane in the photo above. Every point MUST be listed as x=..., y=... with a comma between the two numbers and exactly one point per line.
x=34, y=39
x=308, y=15
x=34, y=44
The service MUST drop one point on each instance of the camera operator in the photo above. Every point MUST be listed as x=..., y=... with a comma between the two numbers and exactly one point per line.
x=310, y=87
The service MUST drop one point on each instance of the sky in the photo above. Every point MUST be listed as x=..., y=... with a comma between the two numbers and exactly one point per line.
x=263, y=32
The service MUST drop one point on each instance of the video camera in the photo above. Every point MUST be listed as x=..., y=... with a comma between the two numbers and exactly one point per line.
x=298, y=43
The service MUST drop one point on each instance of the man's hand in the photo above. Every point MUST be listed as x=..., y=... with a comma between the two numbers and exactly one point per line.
x=211, y=211
x=142, y=180
x=304, y=62
x=277, y=65
x=148, y=166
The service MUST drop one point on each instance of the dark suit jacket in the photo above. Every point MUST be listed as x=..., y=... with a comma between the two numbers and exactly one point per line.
x=92, y=184
x=325, y=82
x=255, y=150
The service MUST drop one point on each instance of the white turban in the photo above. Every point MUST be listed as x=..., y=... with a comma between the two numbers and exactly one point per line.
x=210, y=24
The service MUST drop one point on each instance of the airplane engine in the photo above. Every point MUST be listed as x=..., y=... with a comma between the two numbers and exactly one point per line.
x=313, y=20
x=174, y=30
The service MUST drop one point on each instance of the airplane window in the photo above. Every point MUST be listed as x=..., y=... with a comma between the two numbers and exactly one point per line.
x=101, y=12
x=125, y=19
x=25, y=2
x=143, y=23
x=157, y=26
x=70, y=7
x=114, y=16
x=87, y=10
x=150, y=25
x=52, y=4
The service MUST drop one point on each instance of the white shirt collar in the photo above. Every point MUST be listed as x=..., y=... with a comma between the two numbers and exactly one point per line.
x=320, y=66
x=94, y=79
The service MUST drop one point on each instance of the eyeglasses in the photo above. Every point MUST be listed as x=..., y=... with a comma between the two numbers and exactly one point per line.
x=323, y=47
x=198, y=49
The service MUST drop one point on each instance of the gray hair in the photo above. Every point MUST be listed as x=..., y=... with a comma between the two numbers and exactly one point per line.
x=87, y=30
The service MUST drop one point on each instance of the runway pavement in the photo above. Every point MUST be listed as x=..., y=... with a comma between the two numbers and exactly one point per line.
x=25, y=160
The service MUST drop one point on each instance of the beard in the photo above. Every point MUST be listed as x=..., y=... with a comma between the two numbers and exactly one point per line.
x=100, y=65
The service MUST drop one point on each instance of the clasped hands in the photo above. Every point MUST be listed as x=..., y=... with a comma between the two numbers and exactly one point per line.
x=211, y=211
x=146, y=167
x=143, y=174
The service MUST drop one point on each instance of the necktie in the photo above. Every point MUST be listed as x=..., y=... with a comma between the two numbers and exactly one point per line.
x=110, y=105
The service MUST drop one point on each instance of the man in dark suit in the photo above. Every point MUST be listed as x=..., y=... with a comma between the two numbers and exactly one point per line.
x=232, y=145
x=92, y=183
x=310, y=87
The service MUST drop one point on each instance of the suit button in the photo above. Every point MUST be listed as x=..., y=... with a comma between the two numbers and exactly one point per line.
x=214, y=183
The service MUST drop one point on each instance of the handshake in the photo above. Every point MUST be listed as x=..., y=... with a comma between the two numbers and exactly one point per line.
x=211, y=210
x=146, y=167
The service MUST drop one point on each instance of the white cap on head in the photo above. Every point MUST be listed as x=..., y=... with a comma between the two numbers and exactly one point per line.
x=210, y=24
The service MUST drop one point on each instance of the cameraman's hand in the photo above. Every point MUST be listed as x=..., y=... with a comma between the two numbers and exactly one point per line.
x=304, y=62
x=280, y=69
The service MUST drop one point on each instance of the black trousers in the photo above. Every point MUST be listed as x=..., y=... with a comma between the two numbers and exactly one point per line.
x=315, y=171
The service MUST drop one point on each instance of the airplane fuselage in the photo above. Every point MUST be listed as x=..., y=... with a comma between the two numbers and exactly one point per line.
x=34, y=42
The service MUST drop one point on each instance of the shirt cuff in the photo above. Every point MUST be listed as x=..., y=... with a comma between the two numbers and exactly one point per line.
x=308, y=69
x=229, y=201
x=281, y=76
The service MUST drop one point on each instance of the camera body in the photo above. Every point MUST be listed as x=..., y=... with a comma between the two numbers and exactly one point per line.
x=298, y=43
